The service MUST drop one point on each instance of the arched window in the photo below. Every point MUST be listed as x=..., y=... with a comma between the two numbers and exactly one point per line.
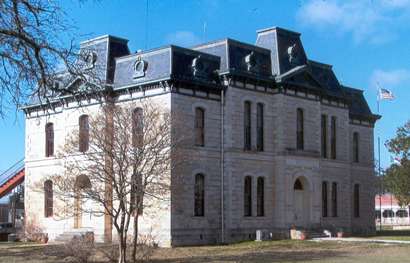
x=247, y=125
x=137, y=128
x=48, y=198
x=247, y=196
x=356, y=201
x=334, y=199
x=356, y=147
x=84, y=133
x=324, y=136
x=199, y=209
x=299, y=129
x=199, y=127
x=259, y=127
x=260, y=201
x=333, y=138
x=49, y=139
x=298, y=185
x=402, y=213
x=324, y=199
x=388, y=213
x=82, y=182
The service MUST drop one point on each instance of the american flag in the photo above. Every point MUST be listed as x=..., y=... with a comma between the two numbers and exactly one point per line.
x=385, y=94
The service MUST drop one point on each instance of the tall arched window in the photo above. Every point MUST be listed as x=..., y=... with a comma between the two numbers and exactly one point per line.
x=49, y=139
x=324, y=199
x=199, y=209
x=137, y=127
x=84, y=133
x=199, y=127
x=356, y=200
x=259, y=127
x=333, y=137
x=82, y=183
x=247, y=196
x=334, y=199
x=324, y=136
x=299, y=129
x=260, y=201
x=356, y=147
x=48, y=198
x=247, y=125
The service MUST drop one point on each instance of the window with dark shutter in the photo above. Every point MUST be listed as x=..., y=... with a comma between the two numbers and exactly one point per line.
x=48, y=198
x=199, y=208
x=259, y=127
x=199, y=127
x=324, y=199
x=324, y=136
x=247, y=126
x=248, y=196
x=137, y=127
x=84, y=133
x=334, y=199
x=260, y=201
x=333, y=137
x=49, y=139
x=299, y=129
x=356, y=201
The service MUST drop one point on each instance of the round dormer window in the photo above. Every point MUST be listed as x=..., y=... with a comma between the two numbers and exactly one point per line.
x=90, y=58
x=140, y=66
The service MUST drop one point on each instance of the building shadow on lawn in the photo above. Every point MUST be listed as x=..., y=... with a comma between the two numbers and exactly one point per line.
x=262, y=256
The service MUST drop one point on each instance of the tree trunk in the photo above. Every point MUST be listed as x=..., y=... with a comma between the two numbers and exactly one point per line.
x=122, y=257
x=135, y=238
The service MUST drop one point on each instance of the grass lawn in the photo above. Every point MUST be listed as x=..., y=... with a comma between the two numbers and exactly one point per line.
x=268, y=251
x=401, y=235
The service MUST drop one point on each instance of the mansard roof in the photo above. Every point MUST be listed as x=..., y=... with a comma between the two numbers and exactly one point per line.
x=278, y=58
x=240, y=58
x=166, y=63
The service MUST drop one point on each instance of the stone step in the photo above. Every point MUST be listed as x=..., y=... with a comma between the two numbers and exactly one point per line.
x=69, y=235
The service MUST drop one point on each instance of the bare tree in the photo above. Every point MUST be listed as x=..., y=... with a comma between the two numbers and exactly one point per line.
x=124, y=169
x=32, y=51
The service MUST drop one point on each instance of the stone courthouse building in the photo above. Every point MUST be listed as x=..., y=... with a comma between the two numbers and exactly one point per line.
x=281, y=141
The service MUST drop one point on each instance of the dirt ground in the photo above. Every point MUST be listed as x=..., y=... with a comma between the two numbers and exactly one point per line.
x=269, y=251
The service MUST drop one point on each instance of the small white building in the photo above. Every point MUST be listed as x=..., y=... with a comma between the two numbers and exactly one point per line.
x=390, y=212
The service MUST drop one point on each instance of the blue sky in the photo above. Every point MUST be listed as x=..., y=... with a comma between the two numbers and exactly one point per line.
x=365, y=40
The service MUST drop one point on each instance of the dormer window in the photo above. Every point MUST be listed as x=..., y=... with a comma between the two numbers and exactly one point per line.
x=90, y=58
x=140, y=67
x=250, y=61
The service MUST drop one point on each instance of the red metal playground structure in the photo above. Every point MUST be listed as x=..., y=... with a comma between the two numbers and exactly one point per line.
x=11, y=178
x=12, y=210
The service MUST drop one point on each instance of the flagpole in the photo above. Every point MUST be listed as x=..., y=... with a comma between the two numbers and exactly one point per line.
x=380, y=178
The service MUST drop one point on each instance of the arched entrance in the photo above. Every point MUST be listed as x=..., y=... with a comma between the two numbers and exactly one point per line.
x=82, y=183
x=301, y=202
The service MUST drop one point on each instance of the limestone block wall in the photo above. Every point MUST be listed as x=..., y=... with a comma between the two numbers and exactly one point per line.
x=155, y=221
x=186, y=228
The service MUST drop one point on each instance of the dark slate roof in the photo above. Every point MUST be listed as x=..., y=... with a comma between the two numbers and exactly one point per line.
x=170, y=62
x=281, y=42
x=240, y=58
x=357, y=103
x=277, y=57
x=325, y=75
